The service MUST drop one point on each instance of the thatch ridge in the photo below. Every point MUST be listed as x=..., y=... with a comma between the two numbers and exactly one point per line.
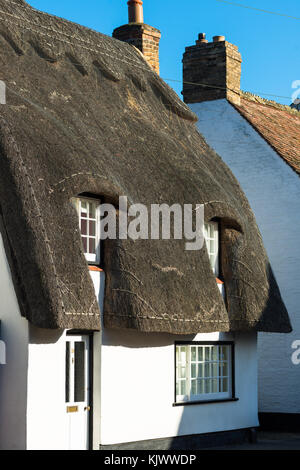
x=86, y=114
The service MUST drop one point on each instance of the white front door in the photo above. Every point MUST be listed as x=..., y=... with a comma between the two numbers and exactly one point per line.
x=77, y=394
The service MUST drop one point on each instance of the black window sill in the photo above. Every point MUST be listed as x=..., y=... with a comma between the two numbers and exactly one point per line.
x=204, y=402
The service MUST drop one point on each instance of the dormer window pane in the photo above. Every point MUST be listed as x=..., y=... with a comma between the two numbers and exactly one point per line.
x=83, y=209
x=92, y=210
x=92, y=228
x=211, y=235
x=83, y=227
x=89, y=224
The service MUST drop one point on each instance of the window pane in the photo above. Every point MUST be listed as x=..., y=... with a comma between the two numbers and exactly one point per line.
x=92, y=228
x=92, y=245
x=183, y=387
x=182, y=372
x=207, y=369
x=215, y=369
x=225, y=385
x=193, y=353
x=215, y=386
x=200, y=370
x=200, y=387
x=79, y=372
x=200, y=354
x=207, y=386
x=193, y=371
x=194, y=387
x=225, y=353
x=92, y=210
x=207, y=354
x=183, y=354
x=83, y=226
x=67, y=391
x=83, y=209
x=215, y=353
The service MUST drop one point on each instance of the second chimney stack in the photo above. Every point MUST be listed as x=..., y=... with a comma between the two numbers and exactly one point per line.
x=211, y=71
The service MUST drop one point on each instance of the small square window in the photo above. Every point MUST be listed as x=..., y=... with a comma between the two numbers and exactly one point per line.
x=88, y=211
x=204, y=372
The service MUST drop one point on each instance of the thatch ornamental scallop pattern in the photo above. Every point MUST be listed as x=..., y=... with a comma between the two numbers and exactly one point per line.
x=85, y=113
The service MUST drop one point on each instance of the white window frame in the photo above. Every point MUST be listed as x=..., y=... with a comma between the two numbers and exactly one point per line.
x=211, y=234
x=90, y=257
x=207, y=375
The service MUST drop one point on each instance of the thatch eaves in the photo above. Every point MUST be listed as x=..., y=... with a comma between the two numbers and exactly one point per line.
x=86, y=114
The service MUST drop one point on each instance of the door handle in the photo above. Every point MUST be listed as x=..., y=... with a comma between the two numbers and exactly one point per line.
x=87, y=408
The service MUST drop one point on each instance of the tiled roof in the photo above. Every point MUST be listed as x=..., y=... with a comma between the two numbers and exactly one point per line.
x=279, y=125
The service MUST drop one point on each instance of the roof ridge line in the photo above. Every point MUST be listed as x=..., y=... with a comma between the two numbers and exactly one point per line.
x=61, y=32
x=256, y=98
x=133, y=62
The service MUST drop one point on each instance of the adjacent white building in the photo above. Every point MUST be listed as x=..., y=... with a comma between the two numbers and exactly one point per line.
x=259, y=141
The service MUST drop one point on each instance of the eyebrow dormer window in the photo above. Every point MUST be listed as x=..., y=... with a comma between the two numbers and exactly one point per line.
x=211, y=235
x=88, y=210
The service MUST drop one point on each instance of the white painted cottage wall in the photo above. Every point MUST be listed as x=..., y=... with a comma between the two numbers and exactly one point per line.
x=273, y=190
x=137, y=389
x=13, y=375
x=47, y=420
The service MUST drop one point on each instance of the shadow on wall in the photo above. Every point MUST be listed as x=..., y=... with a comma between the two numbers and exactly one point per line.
x=273, y=306
x=43, y=336
x=250, y=285
x=130, y=339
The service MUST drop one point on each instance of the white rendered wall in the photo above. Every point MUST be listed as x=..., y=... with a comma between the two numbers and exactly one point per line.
x=46, y=408
x=137, y=389
x=13, y=375
x=273, y=190
x=47, y=420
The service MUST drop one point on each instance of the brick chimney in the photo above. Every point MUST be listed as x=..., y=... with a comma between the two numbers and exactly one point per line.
x=216, y=64
x=136, y=32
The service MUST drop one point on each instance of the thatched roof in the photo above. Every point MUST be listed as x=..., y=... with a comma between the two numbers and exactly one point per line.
x=85, y=113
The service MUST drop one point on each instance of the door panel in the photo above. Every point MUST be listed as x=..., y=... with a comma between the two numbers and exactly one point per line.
x=77, y=393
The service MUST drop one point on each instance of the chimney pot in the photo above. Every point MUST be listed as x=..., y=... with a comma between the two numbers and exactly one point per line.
x=202, y=39
x=219, y=38
x=135, y=11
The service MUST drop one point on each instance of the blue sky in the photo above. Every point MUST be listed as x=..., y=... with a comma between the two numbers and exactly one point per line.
x=269, y=44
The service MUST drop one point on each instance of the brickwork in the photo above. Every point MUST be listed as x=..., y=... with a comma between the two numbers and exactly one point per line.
x=144, y=37
x=215, y=64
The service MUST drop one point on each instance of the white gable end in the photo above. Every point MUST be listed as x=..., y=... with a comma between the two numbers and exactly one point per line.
x=273, y=190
